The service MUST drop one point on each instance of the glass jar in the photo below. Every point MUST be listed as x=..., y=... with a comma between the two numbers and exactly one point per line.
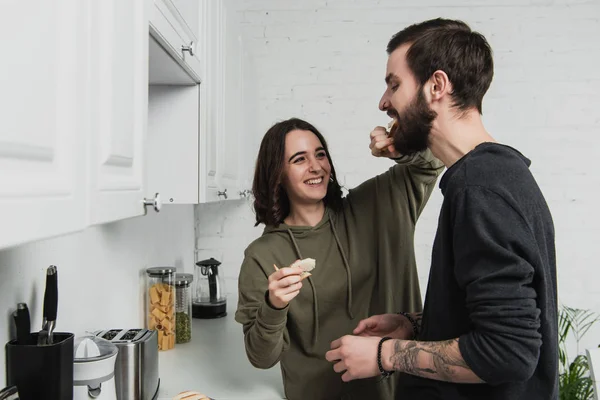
x=183, y=307
x=160, y=312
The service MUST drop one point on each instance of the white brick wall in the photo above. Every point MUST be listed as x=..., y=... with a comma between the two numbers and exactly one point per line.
x=324, y=60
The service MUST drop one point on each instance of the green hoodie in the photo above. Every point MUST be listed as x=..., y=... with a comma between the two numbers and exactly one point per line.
x=365, y=265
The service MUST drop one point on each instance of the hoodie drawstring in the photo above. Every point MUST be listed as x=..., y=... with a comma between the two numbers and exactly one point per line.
x=314, y=289
x=347, y=266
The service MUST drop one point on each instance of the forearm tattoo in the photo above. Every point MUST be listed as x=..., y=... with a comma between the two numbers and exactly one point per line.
x=434, y=360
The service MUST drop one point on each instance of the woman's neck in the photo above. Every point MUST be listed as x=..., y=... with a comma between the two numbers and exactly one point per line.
x=305, y=215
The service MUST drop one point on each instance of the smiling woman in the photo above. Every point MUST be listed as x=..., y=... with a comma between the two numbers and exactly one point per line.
x=362, y=243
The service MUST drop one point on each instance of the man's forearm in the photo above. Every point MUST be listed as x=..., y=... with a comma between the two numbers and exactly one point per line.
x=434, y=360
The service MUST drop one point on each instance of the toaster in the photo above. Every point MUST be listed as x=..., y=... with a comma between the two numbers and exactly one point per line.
x=136, y=367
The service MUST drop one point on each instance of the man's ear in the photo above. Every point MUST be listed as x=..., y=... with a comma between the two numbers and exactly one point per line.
x=440, y=85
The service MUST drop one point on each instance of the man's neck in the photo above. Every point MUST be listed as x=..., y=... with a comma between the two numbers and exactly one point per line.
x=305, y=214
x=452, y=137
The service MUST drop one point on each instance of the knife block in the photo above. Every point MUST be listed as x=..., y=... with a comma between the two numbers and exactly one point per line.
x=41, y=372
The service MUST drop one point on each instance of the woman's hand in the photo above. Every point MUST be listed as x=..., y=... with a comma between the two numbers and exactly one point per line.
x=284, y=285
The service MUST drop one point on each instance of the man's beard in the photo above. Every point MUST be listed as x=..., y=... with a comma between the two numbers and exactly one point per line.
x=413, y=126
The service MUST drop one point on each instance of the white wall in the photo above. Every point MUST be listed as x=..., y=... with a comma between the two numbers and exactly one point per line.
x=101, y=272
x=324, y=60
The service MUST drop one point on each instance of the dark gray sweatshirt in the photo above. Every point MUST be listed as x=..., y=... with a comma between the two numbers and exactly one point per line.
x=493, y=281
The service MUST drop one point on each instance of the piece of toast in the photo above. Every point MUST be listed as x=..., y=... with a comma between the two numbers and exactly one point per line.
x=191, y=395
x=391, y=126
x=307, y=265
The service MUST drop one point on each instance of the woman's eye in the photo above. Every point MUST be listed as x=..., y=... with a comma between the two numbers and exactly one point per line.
x=298, y=160
x=321, y=154
x=395, y=87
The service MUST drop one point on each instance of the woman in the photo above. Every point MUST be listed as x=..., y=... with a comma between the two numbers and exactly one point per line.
x=362, y=244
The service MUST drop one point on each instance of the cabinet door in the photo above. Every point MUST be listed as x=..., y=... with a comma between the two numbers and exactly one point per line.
x=119, y=76
x=172, y=143
x=190, y=13
x=211, y=99
x=173, y=28
x=249, y=136
x=42, y=131
x=229, y=148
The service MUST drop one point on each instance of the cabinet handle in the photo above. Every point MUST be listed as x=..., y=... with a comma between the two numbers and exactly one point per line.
x=245, y=193
x=189, y=48
x=155, y=202
x=223, y=193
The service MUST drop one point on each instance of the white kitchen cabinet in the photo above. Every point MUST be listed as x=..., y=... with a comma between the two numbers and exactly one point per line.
x=212, y=100
x=249, y=136
x=226, y=120
x=119, y=105
x=74, y=133
x=175, y=25
x=172, y=144
x=232, y=121
x=42, y=119
x=196, y=152
x=185, y=119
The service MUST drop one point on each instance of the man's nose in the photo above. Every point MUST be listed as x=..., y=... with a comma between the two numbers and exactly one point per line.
x=384, y=103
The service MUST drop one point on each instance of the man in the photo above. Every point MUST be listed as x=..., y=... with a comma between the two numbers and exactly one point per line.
x=489, y=325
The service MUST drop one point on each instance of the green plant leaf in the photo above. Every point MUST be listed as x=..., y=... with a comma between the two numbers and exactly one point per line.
x=574, y=380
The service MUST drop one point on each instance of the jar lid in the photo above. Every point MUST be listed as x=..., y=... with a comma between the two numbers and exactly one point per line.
x=160, y=271
x=211, y=262
x=183, y=279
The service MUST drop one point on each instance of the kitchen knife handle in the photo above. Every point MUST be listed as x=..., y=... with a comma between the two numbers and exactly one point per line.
x=23, y=323
x=51, y=294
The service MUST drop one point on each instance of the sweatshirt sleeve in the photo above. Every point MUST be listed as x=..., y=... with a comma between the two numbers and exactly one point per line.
x=492, y=246
x=409, y=183
x=418, y=174
x=265, y=333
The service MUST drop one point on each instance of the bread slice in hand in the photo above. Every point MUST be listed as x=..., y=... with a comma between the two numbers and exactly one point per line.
x=307, y=265
x=391, y=126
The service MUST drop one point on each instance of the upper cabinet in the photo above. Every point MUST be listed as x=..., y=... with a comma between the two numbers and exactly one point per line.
x=196, y=149
x=232, y=99
x=227, y=126
x=119, y=104
x=136, y=103
x=43, y=119
x=175, y=26
x=212, y=96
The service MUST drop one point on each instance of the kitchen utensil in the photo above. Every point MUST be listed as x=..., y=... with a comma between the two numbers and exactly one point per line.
x=50, y=307
x=210, y=300
x=9, y=393
x=23, y=323
x=183, y=307
x=94, y=369
x=160, y=289
x=136, y=368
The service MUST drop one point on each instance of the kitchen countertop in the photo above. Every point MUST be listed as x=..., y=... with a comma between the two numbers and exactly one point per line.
x=214, y=362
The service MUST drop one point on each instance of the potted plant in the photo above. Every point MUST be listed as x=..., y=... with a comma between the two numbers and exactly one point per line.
x=574, y=380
